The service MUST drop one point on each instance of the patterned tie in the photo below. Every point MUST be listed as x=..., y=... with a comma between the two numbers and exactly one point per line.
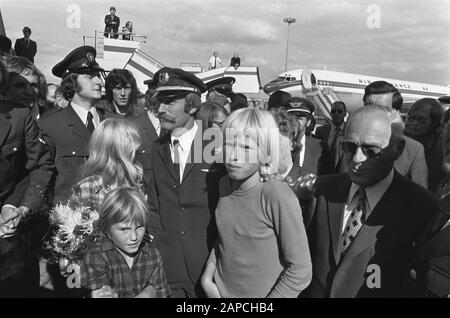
x=176, y=151
x=356, y=220
x=90, y=123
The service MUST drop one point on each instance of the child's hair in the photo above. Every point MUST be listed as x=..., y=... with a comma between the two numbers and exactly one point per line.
x=112, y=151
x=123, y=205
x=259, y=125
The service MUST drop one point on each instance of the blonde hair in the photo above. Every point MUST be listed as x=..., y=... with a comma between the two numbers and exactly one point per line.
x=123, y=205
x=112, y=152
x=260, y=126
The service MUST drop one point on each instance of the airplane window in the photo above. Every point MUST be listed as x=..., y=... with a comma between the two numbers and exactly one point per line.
x=281, y=78
x=293, y=79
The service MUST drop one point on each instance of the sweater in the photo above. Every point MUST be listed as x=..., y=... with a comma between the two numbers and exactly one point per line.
x=262, y=250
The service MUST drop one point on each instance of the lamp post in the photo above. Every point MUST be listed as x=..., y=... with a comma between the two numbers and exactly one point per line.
x=289, y=21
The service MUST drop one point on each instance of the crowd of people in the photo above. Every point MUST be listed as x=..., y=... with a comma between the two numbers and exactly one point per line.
x=216, y=198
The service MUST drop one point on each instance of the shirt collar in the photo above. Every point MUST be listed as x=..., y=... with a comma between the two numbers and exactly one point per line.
x=374, y=192
x=83, y=112
x=186, y=138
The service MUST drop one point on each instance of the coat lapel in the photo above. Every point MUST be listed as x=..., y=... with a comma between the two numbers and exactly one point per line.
x=5, y=126
x=163, y=150
x=336, y=214
x=195, y=154
x=382, y=221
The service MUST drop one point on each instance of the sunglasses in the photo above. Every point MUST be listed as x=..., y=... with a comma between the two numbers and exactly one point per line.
x=350, y=147
x=337, y=111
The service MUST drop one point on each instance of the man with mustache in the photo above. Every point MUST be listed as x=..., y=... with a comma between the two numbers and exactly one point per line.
x=366, y=221
x=67, y=132
x=183, y=185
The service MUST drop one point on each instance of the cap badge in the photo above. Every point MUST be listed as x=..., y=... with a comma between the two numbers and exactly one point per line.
x=296, y=105
x=90, y=57
x=163, y=78
x=84, y=64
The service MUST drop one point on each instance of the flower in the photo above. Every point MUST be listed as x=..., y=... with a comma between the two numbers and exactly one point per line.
x=75, y=229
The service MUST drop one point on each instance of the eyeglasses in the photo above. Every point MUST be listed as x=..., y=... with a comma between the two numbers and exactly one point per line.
x=369, y=151
x=337, y=111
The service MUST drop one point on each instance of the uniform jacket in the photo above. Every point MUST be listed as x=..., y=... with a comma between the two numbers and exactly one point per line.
x=67, y=138
x=381, y=249
x=185, y=211
x=24, y=50
x=25, y=163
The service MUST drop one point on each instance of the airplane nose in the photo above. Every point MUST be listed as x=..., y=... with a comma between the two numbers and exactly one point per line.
x=270, y=87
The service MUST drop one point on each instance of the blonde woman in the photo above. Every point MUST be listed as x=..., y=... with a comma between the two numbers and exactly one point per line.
x=111, y=163
x=262, y=249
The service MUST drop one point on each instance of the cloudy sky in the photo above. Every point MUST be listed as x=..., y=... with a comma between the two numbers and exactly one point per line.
x=403, y=39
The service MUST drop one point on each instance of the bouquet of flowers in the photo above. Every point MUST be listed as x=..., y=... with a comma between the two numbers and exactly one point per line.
x=75, y=230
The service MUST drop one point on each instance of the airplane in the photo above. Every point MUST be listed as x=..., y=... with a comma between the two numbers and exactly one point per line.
x=325, y=87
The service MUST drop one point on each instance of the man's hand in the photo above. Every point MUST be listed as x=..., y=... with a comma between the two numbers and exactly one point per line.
x=7, y=226
x=105, y=292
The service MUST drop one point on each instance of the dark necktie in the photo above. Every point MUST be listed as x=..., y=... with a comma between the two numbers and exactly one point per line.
x=90, y=122
x=334, y=146
x=176, y=157
x=356, y=220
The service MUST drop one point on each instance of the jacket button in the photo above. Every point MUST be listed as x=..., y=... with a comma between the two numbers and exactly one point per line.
x=143, y=151
x=182, y=209
x=183, y=233
x=174, y=186
x=73, y=152
x=413, y=273
x=15, y=148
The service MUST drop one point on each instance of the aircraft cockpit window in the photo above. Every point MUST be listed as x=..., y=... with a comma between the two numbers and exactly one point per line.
x=281, y=78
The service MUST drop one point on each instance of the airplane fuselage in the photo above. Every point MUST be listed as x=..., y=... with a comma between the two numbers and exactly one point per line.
x=349, y=87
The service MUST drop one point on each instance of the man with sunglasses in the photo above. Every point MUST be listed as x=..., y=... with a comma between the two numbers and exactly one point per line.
x=183, y=186
x=67, y=131
x=366, y=221
x=330, y=134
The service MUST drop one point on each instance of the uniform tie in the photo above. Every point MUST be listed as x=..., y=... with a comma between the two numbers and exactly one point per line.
x=90, y=122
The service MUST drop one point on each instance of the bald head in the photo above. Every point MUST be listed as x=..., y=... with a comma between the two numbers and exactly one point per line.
x=371, y=121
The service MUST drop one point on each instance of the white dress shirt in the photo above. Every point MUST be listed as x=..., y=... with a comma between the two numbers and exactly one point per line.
x=155, y=122
x=302, y=152
x=373, y=196
x=185, y=141
x=83, y=113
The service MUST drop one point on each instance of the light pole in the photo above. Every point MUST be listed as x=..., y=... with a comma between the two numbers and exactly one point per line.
x=288, y=21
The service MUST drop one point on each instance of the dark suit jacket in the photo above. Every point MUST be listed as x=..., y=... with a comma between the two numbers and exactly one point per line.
x=112, y=24
x=186, y=211
x=25, y=163
x=147, y=131
x=385, y=240
x=28, y=51
x=67, y=138
x=429, y=272
x=311, y=161
x=329, y=164
x=25, y=172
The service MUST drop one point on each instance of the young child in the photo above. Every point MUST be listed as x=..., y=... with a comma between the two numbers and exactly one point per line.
x=124, y=262
x=262, y=249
